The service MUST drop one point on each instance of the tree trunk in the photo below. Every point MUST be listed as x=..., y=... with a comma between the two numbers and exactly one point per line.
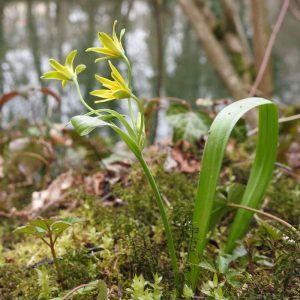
x=260, y=42
x=214, y=50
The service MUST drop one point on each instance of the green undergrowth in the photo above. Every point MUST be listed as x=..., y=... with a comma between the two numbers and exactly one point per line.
x=116, y=243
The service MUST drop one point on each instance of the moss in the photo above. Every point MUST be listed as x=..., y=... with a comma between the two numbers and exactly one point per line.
x=284, y=194
x=129, y=239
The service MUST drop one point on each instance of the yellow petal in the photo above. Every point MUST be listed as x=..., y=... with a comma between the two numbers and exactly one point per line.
x=70, y=59
x=114, y=31
x=54, y=75
x=116, y=75
x=57, y=66
x=101, y=50
x=103, y=58
x=104, y=100
x=108, y=42
x=79, y=69
x=101, y=93
x=104, y=81
x=120, y=94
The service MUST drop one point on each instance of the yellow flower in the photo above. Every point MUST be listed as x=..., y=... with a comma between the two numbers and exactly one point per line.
x=64, y=72
x=112, y=47
x=115, y=89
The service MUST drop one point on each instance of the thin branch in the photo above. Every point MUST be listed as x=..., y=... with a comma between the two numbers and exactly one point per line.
x=45, y=241
x=269, y=48
x=281, y=120
x=286, y=224
x=295, y=11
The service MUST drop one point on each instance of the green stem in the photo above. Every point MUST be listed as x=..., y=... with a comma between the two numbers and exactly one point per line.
x=141, y=109
x=164, y=217
x=59, y=275
x=80, y=96
x=129, y=75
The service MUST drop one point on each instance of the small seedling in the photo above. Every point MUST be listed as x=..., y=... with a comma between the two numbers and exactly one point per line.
x=49, y=230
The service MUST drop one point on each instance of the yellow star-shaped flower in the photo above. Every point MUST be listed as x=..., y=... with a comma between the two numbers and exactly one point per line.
x=112, y=46
x=116, y=89
x=64, y=72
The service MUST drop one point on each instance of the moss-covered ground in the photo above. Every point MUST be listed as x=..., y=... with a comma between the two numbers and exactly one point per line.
x=117, y=242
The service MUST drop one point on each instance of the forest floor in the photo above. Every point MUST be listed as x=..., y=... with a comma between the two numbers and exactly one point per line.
x=120, y=234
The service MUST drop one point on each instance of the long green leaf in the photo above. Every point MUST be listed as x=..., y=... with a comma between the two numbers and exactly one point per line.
x=85, y=124
x=211, y=166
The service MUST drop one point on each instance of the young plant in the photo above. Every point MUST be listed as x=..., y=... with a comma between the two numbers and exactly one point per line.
x=133, y=134
x=116, y=88
x=49, y=230
x=142, y=289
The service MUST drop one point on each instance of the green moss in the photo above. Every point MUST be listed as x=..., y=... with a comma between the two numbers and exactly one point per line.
x=129, y=239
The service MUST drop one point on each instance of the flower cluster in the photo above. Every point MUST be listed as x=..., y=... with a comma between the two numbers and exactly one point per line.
x=115, y=89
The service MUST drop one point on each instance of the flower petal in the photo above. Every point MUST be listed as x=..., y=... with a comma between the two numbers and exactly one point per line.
x=116, y=75
x=64, y=83
x=104, y=100
x=101, y=50
x=57, y=66
x=79, y=69
x=120, y=94
x=101, y=93
x=108, y=42
x=103, y=58
x=54, y=75
x=70, y=59
x=105, y=81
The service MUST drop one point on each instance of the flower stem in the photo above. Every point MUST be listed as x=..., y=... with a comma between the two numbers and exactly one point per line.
x=141, y=109
x=159, y=201
x=80, y=96
x=129, y=75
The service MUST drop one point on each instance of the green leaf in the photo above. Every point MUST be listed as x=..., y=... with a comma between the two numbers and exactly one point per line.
x=85, y=124
x=260, y=175
x=236, y=192
x=223, y=263
x=59, y=227
x=71, y=220
x=207, y=266
x=30, y=229
x=42, y=223
x=219, y=206
x=187, y=125
x=274, y=233
x=102, y=290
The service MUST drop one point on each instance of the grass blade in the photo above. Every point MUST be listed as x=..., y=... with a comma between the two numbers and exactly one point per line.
x=211, y=166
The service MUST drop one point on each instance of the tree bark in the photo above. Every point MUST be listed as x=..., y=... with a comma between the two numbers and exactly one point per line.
x=214, y=50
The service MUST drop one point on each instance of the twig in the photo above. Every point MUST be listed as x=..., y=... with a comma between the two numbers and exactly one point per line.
x=67, y=296
x=286, y=224
x=281, y=120
x=269, y=48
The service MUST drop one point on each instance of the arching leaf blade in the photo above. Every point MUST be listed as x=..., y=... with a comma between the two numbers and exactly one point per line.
x=211, y=165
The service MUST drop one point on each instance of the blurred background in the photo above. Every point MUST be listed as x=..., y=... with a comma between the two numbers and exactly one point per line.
x=168, y=56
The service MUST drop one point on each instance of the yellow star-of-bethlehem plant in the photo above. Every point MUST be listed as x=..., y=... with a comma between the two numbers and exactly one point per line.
x=64, y=72
x=112, y=46
x=115, y=89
